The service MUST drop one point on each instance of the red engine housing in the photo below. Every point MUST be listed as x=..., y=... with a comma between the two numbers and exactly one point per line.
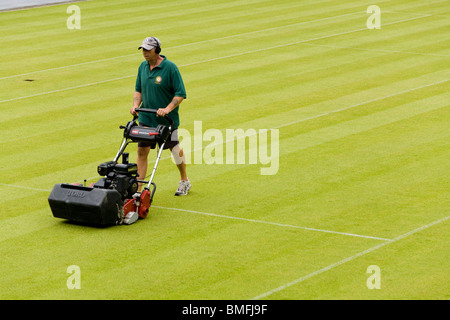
x=141, y=205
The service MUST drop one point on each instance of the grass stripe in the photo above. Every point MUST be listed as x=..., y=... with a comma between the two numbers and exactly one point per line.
x=203, y=61
x=363, y=144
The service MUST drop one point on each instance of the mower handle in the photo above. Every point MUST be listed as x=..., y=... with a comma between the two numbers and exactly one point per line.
x=154, y=111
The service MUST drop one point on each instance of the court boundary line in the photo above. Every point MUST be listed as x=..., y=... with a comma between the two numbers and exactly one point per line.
x=361, y=103
x=233, y=218
x=378, y=50
x=293, y=122
x=188, y=152
x=181, y=45
x=273, y=223
x=205, y=61
x=341, y=262
x=217, y=39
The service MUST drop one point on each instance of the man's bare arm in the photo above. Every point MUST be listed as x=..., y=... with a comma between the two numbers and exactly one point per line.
x=172, y=105
x=137, y=99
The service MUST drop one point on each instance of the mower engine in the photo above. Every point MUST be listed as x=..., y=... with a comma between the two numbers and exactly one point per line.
x=119, y=176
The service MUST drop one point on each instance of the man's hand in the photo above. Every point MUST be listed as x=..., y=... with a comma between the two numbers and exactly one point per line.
x=133, y=111
x=162, y=112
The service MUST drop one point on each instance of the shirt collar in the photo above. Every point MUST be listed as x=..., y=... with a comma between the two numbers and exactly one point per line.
x=161, y=65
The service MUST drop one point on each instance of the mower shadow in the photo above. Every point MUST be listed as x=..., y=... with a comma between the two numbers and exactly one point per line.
x=85, y=224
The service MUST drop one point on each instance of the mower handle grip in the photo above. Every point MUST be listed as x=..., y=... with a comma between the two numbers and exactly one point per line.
x=154, y=111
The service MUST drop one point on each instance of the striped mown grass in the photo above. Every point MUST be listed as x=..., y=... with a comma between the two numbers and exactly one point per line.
x=363, y=119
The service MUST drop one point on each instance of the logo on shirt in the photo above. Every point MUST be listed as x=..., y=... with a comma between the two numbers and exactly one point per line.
x=158, y=80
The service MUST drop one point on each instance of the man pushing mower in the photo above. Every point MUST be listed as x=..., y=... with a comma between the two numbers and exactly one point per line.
x=117, y=198
x=159, y=86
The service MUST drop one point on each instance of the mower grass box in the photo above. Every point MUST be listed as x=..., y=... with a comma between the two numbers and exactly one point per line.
x=85, y=204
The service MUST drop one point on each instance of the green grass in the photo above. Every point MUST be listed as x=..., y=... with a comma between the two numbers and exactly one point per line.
x=363, y=118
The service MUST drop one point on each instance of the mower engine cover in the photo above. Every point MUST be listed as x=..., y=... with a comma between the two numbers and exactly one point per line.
x=86, y=204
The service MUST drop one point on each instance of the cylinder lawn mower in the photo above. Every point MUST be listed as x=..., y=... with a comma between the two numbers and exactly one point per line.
x=114, y=198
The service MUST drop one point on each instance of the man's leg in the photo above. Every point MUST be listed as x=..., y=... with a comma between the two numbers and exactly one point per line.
x=142, y=156
x=185, y=184
x=178, y=154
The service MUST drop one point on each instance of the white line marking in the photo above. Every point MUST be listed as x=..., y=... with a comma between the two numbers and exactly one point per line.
x=68, y=66
x=331, y=266
x=298, y=121
x=65, y=89
x=378, y=50
x=360, y=104
x=306, y=119
x=417, y=14
x=23, y=187
x=183, y=45
x=204, y=61
x=230, y=217
x=273, y=223
x=222, y=38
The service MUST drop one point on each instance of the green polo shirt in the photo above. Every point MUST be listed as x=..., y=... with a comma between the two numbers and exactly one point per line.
x=158, y=87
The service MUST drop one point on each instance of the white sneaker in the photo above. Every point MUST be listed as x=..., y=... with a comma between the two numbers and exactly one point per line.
x=183, y=188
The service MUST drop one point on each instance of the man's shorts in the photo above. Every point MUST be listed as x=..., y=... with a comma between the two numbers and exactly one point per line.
x=171, y=142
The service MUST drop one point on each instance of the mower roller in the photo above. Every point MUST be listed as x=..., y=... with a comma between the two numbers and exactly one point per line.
x=113, y=199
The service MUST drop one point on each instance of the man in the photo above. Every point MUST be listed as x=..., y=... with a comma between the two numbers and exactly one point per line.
x=159, y=86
